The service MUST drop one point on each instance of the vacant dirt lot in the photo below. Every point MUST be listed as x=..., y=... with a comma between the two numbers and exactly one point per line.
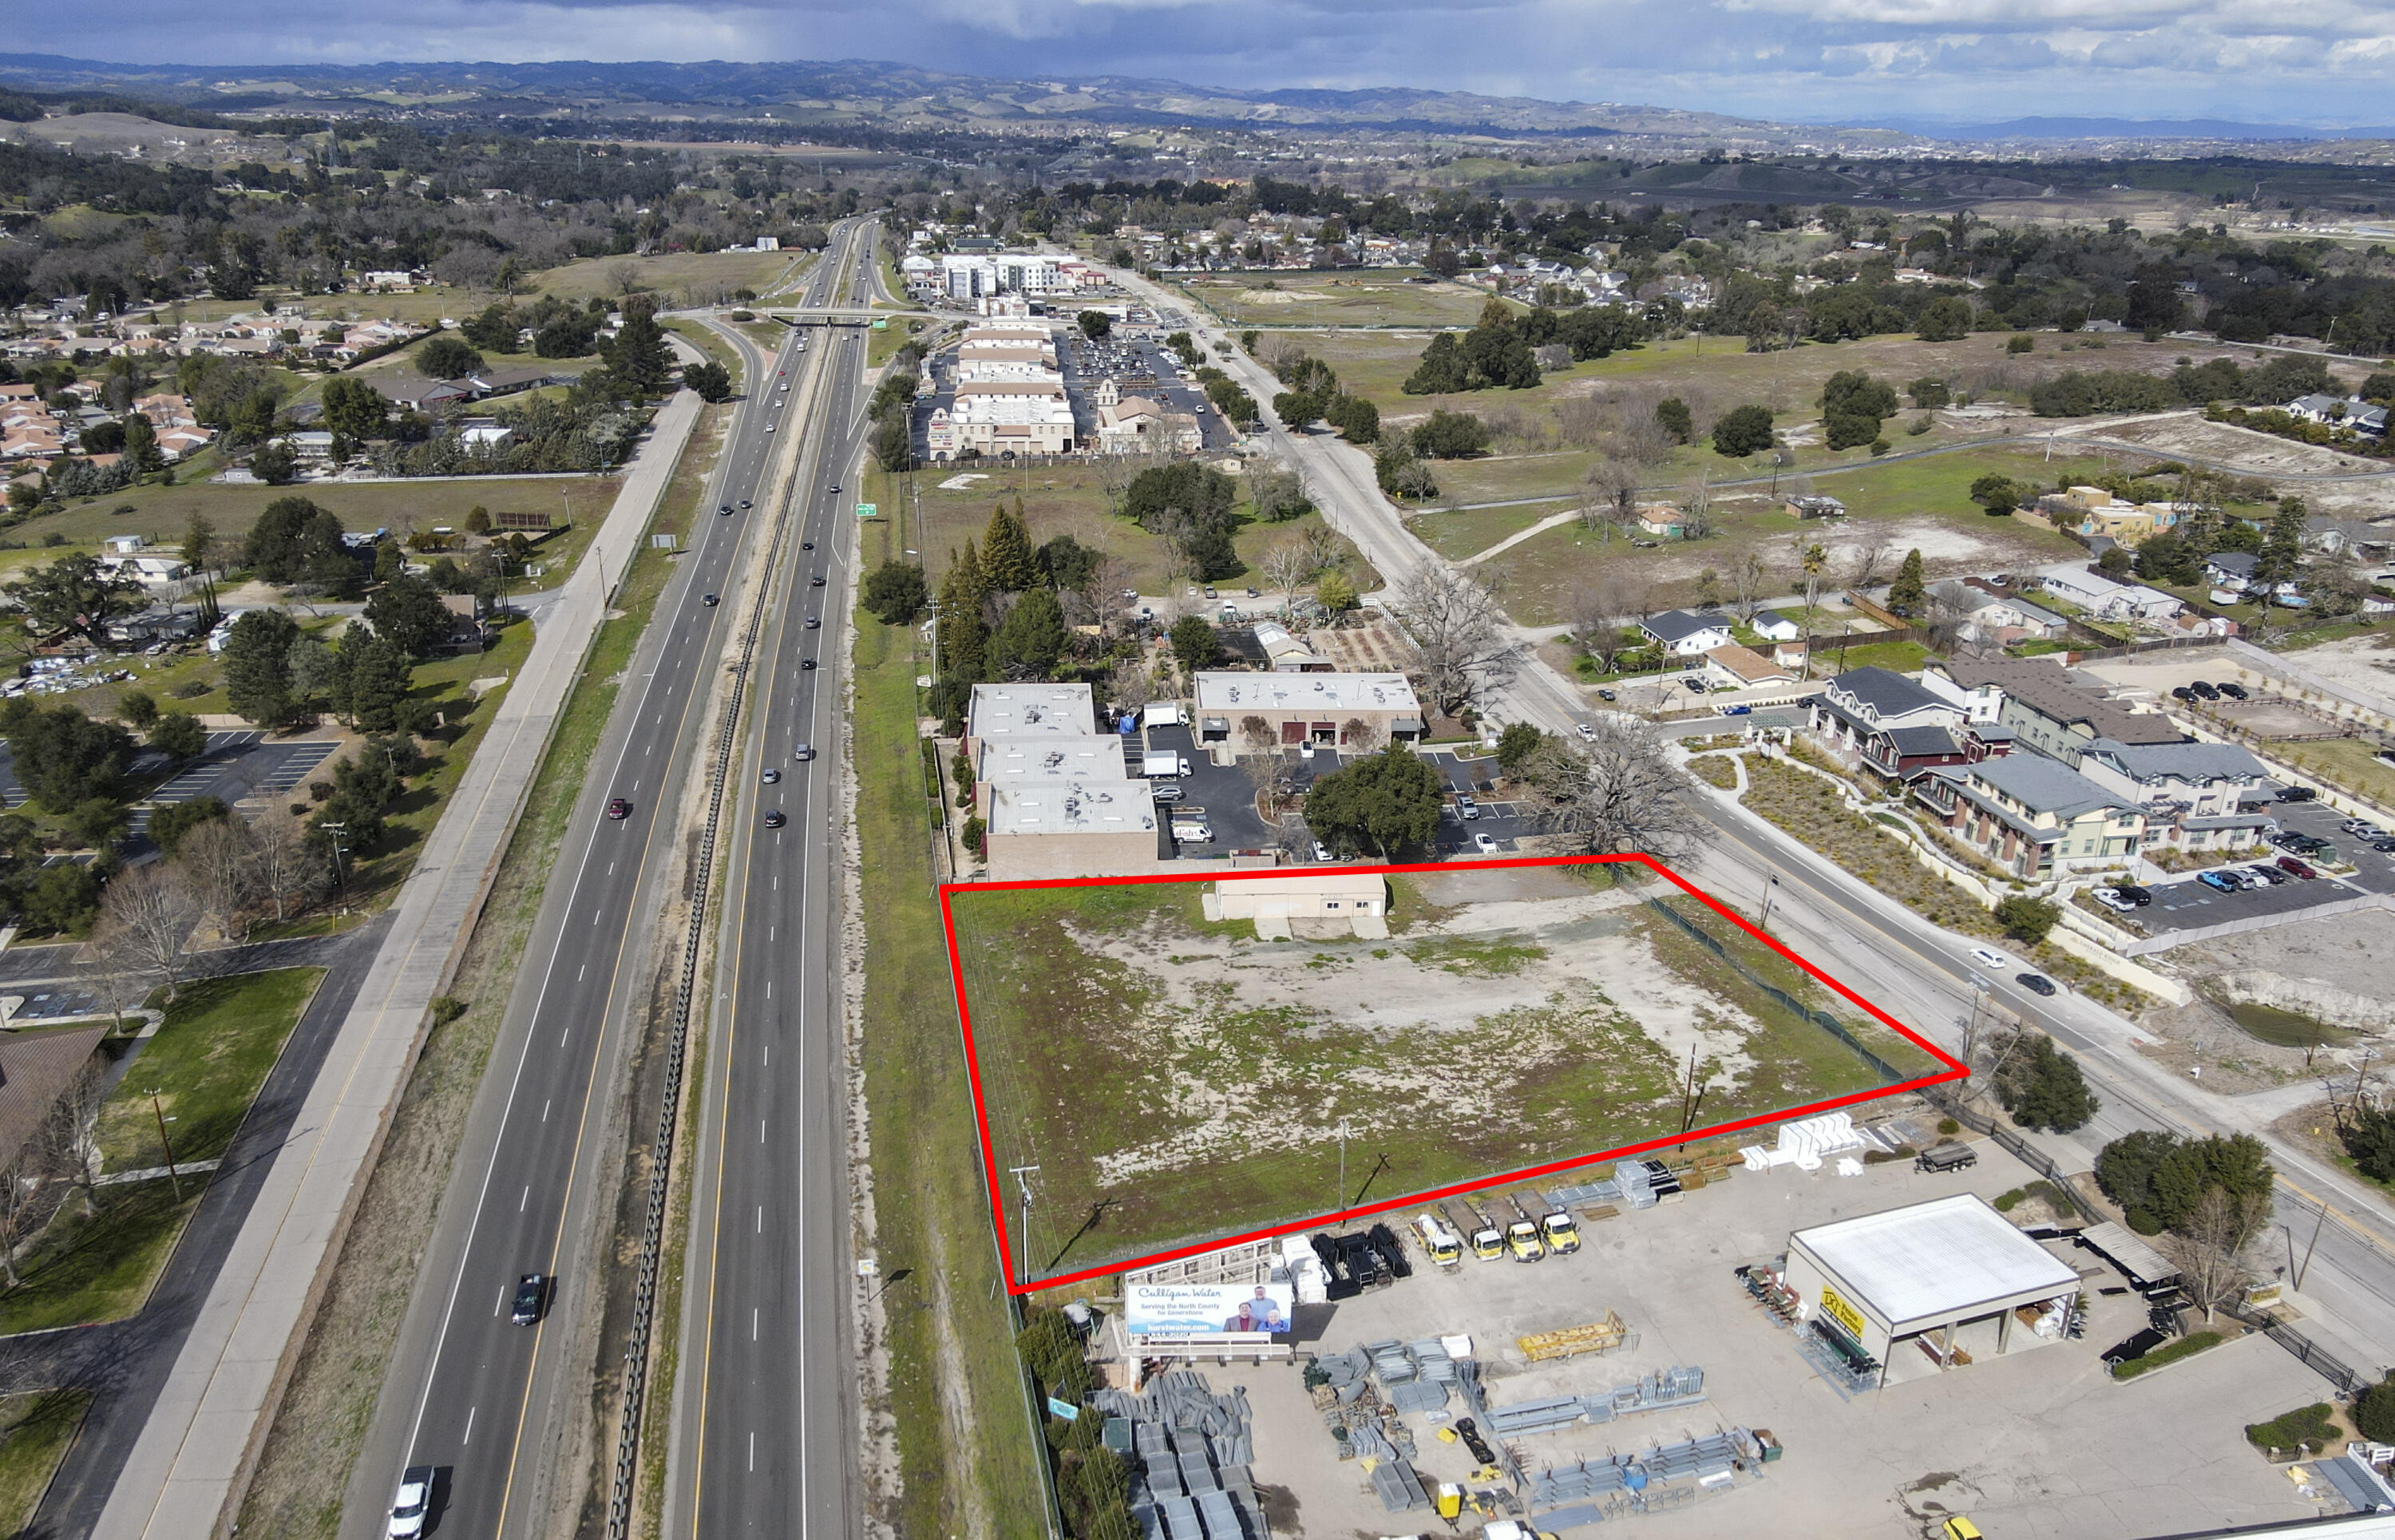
x=1172, y=1078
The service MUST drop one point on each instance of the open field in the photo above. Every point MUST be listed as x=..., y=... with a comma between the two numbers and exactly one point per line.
x=35, y=1428
x=677, y=277
x=1175, y=1080
x=1379, y=298
x=161, y=514
x=206, y=1062
x=1067, y=498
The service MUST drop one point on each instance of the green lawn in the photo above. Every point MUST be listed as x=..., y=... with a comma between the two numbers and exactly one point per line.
x=1469, y=532
x=1376, y=298
x=681, y=277
x=1494, y=478
x=220, y=1040
x=36, y=1430
x=966, y=1452
x=2347, y=762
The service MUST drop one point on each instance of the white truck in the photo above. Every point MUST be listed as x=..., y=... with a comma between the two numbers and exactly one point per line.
x=1189, y=826
x=1162, y=714
x=1163, y=762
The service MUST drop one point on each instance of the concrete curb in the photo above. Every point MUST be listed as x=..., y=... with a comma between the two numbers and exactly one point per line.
x=204, y=1435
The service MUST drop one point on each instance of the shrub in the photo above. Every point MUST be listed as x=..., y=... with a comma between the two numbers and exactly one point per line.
x=1949, y=1127
x=2374, y=1412
x=1743, y=430
x=2169, y=1352
x=2314, y=1424
x=2042, y=1087
x=975, y=832
x=2026, y=919
x=896, y=592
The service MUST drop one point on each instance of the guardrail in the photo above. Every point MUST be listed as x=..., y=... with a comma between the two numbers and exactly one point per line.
x=653, y=1229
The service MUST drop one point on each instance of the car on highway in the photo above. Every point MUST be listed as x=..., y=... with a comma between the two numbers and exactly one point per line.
x=2295, y=868
x=769, y=427
x=532, y=1293
x=816, y=581
x=772, y=776
x=774, y=819
x=803, y=752
x=1991, y=959
x=617, y=807
x=708, y=600
x=2111, y=899
x=725, y=508
x=806, y=665
x=806, y=545
x=2220, y=881
x=412, y=1503
x=745, y=503
x=2036, y=984
x=1465, y=808
x=834, y=486
x=1587, y=731
x=1485, y=845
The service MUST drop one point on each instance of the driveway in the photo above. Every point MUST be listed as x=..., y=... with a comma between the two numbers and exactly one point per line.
x=2190, y=903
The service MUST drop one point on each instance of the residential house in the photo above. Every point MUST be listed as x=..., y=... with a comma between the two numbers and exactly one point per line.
x=2193, y=794
x=1896, y=727
x=1737, y=668
x=2035, y=818
x=1688, y=633
x=150, y=571
x=1812, y=506
x=2044, y=705
x=1662, y=521
x=2092, y=512
x=2349, y=412
x=2105, y=599
x=1772, y=626
x=2229, y=571
x=1991, y=618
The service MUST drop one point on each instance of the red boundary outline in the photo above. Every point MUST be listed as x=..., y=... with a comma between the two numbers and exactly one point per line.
x=1954, y=1069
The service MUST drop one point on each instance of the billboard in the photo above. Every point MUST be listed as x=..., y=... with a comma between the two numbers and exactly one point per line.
x=1204, y=1309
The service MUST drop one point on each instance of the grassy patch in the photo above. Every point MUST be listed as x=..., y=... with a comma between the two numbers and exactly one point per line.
x=2347, y=762
x=2314, y=1426
x=1715, y=769
x=2286, y=1028
x=1376, y=298
x=207, y=1062
x=36, y=1430
x=965, y=1443
x=1808, y=808
x=2168, y=1353
x=1468, y=532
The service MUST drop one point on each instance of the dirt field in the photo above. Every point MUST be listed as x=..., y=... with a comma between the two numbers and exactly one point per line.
x=2250, y=451
x=1346, y=299
x=1172, y=1078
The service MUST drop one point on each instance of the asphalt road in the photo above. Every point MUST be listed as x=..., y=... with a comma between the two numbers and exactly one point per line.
x=763, y=1428
x=492, y=1407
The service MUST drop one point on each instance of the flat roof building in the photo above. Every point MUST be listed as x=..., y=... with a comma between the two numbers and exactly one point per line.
x=1342, y=894
x=1028, y=711
x=1929, y=1286
x=1308, y=708
x=1071, y=829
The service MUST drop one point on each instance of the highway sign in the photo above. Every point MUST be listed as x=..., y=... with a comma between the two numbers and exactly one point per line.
x=867, y=510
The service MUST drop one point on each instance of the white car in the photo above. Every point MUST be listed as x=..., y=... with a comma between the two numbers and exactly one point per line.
x=1485, y=845
x=412, y=1503
x=1587, y=730
x=2110, y=899
x=1991, y=959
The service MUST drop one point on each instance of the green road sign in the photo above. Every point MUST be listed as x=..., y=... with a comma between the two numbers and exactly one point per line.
x=867, y=510
x=883, y=324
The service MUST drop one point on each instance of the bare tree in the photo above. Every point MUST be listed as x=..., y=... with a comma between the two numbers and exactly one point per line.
x=1612, y=504
x=25, y=1206
x=1615, y=793
x=1359, y=737
x=1869, y=559
x=149, y=912
x=278, y=841
x=1286, y=565
x=1455, y=625
x=1320, y=543
x=625, y=277
x=1601, y=610
x=69, y=1134
x=113, y=979
x=1698, y=521
x=2209, y=1244
x=1749, y=581
x=221, y=859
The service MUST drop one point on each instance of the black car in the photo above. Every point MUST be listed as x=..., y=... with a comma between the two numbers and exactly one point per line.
x=774, y=819
x=816, y=581
x=531, y=1295
x=2384, y=847
x=724, y=509
x=2297, y=793
x=708, y=599
x=2182, y=693
x=2203, y=690
x=2233, y=691
x=2036, y=984
x=2135, y=893
x=2136, y=1346
x=806, y=663
x=745, y=503
x=806, y=545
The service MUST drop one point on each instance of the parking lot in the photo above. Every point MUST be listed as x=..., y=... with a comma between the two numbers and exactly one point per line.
x=2190, y=903
x=2035, y=1443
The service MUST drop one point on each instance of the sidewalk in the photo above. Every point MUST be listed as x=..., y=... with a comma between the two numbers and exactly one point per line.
x=205, y=1433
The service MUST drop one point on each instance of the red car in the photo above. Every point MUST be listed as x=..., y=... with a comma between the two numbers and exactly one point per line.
x=619, y=808
x=2294, y=867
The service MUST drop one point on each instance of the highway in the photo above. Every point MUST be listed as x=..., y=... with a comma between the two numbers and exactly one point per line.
x=504, y=1412
x=764, y=1434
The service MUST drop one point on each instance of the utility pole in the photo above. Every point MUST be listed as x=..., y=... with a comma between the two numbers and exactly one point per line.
x=1771, y=891
x=1343, y=1166
x=336, y=832
x=1022, y=1175
x=176, y=1178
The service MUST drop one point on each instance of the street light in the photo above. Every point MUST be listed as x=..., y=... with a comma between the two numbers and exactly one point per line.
x=336, y=832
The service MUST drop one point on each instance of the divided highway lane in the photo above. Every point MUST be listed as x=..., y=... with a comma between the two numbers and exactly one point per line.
x=764, y=1434
x=483, y=1401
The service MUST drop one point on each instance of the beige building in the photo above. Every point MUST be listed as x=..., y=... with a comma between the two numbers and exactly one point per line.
x=1017, y=763
x=1136, y=425
x=1036, y=712
x=1072, y=828
x=1338, y=894
x=1336, y=708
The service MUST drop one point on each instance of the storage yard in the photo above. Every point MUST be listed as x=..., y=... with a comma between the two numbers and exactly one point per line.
x=1638, y=1381
x=1174, y=1079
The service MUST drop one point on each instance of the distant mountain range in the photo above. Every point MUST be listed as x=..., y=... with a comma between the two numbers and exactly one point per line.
x=855, y=92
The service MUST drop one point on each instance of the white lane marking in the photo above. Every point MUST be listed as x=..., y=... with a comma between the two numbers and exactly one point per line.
x=563, y=1035
x=525, y=1198
x=761, y=1218
x=470, y=1425
x=580, y=972
x=544, y=1111
x=752, y=1449
x=768, y=1053
x=499, y=1304
x=761, y=1130
x=752, y=1323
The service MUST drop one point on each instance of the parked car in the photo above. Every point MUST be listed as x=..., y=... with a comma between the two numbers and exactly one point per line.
x=2385, y=845
x=2297, y=793
x=2269, y=874
x=2110, y=899
x=1991, y=959
x=2182, y=693
x=1168, y=791
x=1321, y=851
x=2233, y=690
x=1695, y=686
x=532, y=1294
x=2362, y=829
x=1484, y=844
x=411, y=1503
x=1603, y=693
x=2203, y=690
x=1738, y=710
x=2295, y=868
x=2135, y=894
x=618, y=807
x=2036, y=984
x=2219, y=883
x=1465, y=808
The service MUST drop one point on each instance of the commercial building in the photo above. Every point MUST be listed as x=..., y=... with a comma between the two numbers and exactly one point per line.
x=1010, y=396
x=1931, y=1286
x=1045, y=760
x=1345, y=710
x=1076, y=829
x=1137, y=425
x=2034, y=817
x=1341, y=894
x=2046, y=708
x=1047, y=712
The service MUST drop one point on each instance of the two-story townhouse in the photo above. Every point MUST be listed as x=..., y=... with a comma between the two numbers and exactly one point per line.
x=2046, y=709
x=2033, y=816
x=1896, y=727
x=2193, y=794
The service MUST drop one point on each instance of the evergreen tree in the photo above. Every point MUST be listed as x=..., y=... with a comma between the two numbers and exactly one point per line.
x=964, y=635
x=258, y=666
x=639, y=355
x=1031, y=639
x=1906, y=595
x=1006, y=552
x=141, y=444
x=373, y=682
x=2282, y=546
x=2042, y=1087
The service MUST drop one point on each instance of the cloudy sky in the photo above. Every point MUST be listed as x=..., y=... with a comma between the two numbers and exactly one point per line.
x=2322, y=63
